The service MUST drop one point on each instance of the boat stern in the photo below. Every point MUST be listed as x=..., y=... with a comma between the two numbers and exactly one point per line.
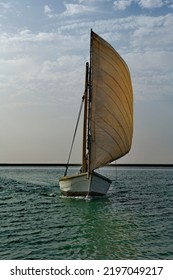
x=82, y=185
x=76, y=185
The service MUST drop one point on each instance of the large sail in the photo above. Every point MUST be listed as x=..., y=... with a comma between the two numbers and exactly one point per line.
x=111, y=111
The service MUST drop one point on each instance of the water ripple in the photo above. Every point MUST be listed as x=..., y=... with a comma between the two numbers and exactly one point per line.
x=134, y=221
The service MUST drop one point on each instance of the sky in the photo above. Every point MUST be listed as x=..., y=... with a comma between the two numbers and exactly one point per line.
x=44, y=45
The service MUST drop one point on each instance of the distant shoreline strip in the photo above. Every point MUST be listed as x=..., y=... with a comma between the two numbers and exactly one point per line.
x=77, y=164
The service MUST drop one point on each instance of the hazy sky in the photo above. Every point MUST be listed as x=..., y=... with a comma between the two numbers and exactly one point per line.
x=44, y=45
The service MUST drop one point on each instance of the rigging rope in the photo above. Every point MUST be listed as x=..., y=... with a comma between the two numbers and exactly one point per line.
x=80, y=110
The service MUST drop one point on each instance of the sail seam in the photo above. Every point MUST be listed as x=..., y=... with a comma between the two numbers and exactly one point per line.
x=120, y=60
x=114, y=130
x=129, y=89
x=111, y=157
x=118, y=108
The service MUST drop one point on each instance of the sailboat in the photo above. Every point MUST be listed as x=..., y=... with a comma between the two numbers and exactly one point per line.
x=108, y=119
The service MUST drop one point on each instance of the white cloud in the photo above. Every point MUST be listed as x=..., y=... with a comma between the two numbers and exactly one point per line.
x=39, y=65
x=79, y=8
x=48, y=12
x=4, y=8
x=74, y=9
x=151, y=73
x=35, y=63
x=47, y=9
x=148, y=31
x=149, y=4
x=5, y=5
x=95, y=2
x=122, y=4
x=27, y=36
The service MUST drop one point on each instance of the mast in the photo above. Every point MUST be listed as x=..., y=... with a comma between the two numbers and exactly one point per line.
x=85, y=97
x=89, y=104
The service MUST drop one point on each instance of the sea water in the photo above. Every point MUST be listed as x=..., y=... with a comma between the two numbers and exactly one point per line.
x=134, y=220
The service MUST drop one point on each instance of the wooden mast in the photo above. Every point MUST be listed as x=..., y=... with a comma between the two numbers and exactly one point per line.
x=89, y=104
x=84, y=155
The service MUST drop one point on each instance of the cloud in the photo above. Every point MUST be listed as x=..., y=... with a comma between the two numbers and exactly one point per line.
x=74, y=9
x=149, y=57
x=38, y=65
x=27, y=36
x=42, y=63
x=47, y=10
x=149, y=4
x=4, y=8
x=5, y=5
x=151, y=74
x=122, y=4
x=79, y=8
x=148, y=31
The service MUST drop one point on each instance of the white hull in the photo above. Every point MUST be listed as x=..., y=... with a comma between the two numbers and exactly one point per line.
x=82, y=185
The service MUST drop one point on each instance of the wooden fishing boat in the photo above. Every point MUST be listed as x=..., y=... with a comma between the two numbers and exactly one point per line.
x=108, y=119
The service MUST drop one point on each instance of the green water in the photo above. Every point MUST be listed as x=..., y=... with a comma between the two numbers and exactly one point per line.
x=134, y=221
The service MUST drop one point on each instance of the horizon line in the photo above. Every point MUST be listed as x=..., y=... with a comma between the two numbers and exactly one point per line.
x=78, y=164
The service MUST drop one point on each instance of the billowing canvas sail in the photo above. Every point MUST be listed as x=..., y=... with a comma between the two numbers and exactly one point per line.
x=111, y=112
